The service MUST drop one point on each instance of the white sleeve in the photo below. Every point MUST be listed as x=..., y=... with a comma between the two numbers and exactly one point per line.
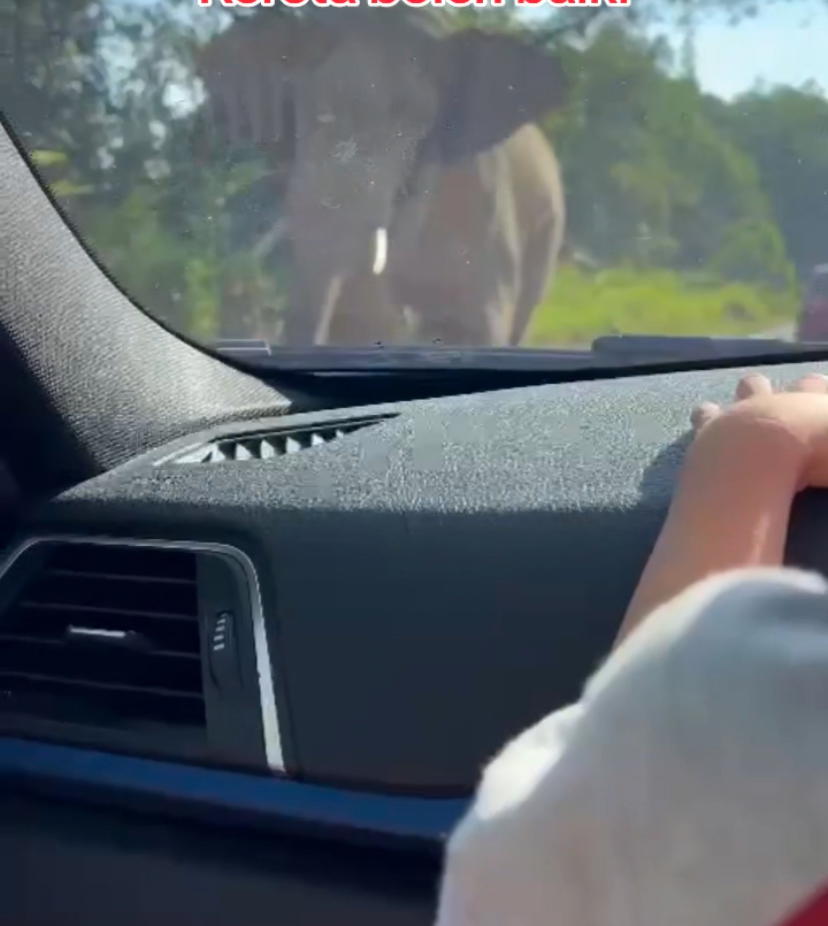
x=485, y=861
x=690, y=779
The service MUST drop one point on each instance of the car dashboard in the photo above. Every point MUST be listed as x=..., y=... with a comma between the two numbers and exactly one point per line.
x=379, y=597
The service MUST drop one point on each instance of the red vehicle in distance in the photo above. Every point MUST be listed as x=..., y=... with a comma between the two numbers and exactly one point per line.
x=813, y=318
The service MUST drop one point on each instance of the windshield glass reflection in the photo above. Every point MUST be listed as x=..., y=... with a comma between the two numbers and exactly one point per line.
x=523, y=175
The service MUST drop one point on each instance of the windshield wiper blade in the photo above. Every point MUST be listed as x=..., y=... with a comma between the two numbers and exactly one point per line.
x=424, y=358
x=642, y=347
x=616, y=351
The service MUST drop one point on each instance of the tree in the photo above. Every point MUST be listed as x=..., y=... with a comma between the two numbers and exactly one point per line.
x=649, y=176
x=658, y=176
x=104, y=99
x=786, y=129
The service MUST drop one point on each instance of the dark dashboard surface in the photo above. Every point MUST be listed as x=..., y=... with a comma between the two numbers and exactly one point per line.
x=437, y=581
x=75, y=865
x=431, y=584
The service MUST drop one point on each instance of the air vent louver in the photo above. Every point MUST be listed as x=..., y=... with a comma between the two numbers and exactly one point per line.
x=276, y=443
x=105, y=636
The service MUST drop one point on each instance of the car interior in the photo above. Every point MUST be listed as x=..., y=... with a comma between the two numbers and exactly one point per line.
x=260, y=625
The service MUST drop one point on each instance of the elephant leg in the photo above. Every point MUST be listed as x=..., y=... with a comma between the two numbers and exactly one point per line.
x=365, y=313
x=310, y=314
x=454, y=317
x=458, y=332
x=540, y=257
x=354, y=310
x=459, y=255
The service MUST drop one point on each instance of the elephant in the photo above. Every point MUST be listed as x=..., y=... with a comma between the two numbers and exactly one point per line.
x=423, y=203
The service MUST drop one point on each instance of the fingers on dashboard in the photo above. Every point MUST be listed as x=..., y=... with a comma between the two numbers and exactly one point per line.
x=703, y=414
x=813, y=382
x=753, y=384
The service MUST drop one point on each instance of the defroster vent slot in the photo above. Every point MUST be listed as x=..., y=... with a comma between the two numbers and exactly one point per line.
x=275, y=443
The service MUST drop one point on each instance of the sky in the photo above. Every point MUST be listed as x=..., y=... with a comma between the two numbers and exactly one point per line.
x=784, y=43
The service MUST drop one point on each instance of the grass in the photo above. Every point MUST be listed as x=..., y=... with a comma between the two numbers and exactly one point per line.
x=581, y=306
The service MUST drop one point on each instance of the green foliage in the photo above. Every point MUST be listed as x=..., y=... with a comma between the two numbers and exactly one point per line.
x=141, y=250
x=698, y=213
x=43, y=158
x=786, y=131
x=753, y=251
x=628, y=300
x=649, y=178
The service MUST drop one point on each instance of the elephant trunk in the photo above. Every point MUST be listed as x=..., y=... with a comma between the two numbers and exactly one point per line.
x=308, y=320
x=321, y=271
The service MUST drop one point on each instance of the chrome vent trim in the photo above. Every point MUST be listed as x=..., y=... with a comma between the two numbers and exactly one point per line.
x=271, y=444
x=267, y=693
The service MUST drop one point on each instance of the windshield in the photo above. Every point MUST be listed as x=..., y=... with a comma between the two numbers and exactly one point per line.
x=819, y=286
x=501, y=175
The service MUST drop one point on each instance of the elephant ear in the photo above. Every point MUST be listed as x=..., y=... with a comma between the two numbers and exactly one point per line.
x=491, y=85
x=247, y=72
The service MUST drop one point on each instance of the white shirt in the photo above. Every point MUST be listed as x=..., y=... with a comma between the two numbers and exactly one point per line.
x=687, y=787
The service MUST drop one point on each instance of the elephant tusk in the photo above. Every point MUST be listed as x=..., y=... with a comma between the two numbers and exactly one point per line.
x=268, y=241
x=380, y=251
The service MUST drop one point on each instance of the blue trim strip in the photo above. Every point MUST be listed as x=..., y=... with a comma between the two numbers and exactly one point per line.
x=275, y=802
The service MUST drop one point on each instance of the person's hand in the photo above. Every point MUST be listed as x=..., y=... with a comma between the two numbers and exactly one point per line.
x=759, y=415
x=734, y=494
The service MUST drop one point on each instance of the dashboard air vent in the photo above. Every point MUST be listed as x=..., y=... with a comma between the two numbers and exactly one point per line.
x=105, y=636
x=275, y=443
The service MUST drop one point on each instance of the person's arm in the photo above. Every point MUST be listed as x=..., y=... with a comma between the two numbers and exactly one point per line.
x=724, y=514
x=733, y=500
x=549, y=828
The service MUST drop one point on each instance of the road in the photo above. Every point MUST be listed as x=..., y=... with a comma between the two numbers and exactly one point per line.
x=783, y=333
